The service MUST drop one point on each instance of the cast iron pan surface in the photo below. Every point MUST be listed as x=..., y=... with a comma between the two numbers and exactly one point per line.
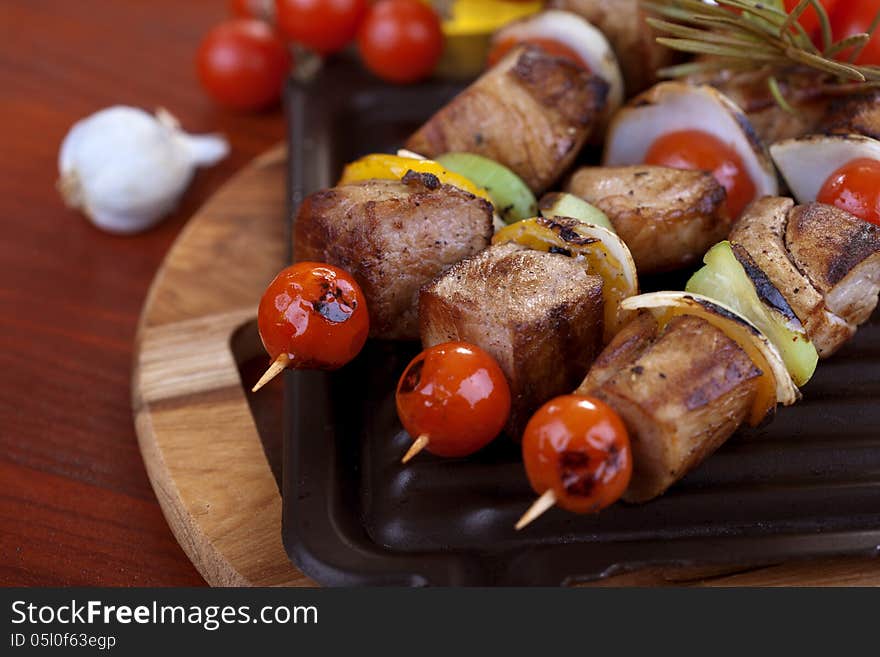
x=806, y=484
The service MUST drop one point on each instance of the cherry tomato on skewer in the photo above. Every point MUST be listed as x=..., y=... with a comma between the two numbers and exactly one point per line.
x=453, y=399
x=577, y=455
x=855, y=187
x=701, y=151
x=312, y=316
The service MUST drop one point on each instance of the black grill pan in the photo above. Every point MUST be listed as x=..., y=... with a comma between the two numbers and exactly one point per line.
x=805, y=485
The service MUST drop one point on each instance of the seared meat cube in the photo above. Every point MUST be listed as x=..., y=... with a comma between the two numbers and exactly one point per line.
x=760, y=233
x=681, y=392
x=841, y=256
x=532, y=112
x=393, y=236
x=667, y=217
x=824, y=262
x=539, y=314
x=633, y=40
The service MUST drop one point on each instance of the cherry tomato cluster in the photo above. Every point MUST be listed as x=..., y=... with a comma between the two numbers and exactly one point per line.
x=243, y=62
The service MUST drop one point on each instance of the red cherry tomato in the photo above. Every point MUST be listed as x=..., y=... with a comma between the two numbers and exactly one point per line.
x=242, y=64
x=314, y=313
x=262, y=9
x=855, y=187
x=401, y=40
x=849, y=18
x=325, y=26
x=456, y=395
x=578, y=447
x=550, y=46
x=695, y=149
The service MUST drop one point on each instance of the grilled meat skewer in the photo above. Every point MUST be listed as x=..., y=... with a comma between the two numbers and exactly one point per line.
x=393, y=236
x=684, y=388
x=532, y=112
x=539, y=314
x=667, y=217
x=824, y=261
x=681, y=392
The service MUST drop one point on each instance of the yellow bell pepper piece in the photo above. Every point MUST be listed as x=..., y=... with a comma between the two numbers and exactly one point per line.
x=485, y=16
x=394, y=167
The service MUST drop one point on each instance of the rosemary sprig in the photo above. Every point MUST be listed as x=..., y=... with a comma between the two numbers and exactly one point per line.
x=760, y=35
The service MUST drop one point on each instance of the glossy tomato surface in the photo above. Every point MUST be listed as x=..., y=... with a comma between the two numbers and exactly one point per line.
x=855, y=187
x=401, y=40
x=578, y=447
x=456, y=395
x=695, y=149
x=243, y=64
x=325, y=26
x=550, y=46
x=314, y=313
x=856, y=17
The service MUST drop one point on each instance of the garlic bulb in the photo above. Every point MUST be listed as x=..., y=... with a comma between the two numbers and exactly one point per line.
x=126, y=169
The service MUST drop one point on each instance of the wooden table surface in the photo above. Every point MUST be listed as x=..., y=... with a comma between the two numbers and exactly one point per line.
x=75, y=504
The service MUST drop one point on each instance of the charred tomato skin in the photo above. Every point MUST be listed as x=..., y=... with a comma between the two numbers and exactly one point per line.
x=579, y=448
x=456, y=394
x=316, y=314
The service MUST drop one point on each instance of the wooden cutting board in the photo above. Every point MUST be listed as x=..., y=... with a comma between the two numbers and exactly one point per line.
x=199, y=439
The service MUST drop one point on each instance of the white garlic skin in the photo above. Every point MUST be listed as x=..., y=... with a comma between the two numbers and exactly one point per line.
x=126, y=169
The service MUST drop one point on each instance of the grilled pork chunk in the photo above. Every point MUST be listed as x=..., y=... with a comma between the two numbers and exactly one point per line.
x=393, y=236
x=532, y=112
x=841, y=256
x=633, y=40
x=824, y=262
x=539, y=314
x=681, y=392
x=667, y=217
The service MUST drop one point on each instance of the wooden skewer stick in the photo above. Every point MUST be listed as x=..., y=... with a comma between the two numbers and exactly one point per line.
x=420, y=443
x=276, y=368
x=540, y=506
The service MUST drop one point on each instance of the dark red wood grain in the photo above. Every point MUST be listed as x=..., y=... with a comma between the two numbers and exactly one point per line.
x=76, y=507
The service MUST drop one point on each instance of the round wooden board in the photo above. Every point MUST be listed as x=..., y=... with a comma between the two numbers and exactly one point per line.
x=199, y=440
